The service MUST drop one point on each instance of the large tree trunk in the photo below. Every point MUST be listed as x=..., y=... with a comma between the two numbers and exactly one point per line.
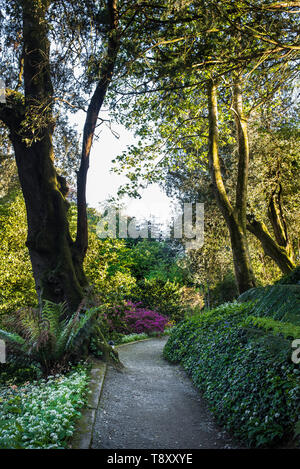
x=57, y=268
x=241, y=259
x=235, y=218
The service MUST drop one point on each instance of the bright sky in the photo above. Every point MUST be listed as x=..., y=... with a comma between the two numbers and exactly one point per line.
x=102, y=183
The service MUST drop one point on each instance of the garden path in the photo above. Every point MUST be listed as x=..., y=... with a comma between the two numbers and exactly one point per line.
x=153, y=404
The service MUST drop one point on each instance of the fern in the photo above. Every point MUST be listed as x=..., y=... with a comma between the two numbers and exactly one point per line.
x=48, y=337
x=80, y=326
x=12, y=338
x=280, y=302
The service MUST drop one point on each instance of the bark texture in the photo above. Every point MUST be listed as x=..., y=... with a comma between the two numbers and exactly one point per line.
x=278, y=247
x=271, y=248
x=235, y=217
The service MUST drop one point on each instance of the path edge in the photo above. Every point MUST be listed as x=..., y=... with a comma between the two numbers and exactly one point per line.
x=142, y=340
x=83, y=434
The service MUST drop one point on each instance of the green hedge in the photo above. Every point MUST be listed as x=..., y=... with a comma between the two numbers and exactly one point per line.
x=244, y=372
x=285, y=329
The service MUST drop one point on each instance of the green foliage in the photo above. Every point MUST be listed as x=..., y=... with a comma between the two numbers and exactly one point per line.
x=19, y=369
x=224, y=291
x=16, y=280
x=291, y=279
x=286, y=329
x=133, y=337
x=41, y=415
x=153, y=259
x=164, y=297
x=281, y=302
x=107, y=266
x=50, y=337
x=245, y=374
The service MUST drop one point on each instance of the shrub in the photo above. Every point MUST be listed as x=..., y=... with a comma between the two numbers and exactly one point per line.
x=16, y=280
x=19, y=369
x=191, y=299
x=158, y=260
x=163, y=297
x=112, y=320
x=142, y=320
x=130, y=318
x=244, y=372
x=224, y=291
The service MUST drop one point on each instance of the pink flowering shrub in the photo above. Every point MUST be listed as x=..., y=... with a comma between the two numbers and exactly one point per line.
x=129, y=317
x=138, y=319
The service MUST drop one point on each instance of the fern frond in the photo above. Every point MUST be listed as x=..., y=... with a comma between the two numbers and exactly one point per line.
x=50, y=317
x=64, y=335
x=26, y=323
x=12, y=337
x=79, y=326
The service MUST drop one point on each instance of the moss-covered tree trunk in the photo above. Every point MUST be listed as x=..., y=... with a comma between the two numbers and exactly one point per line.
x=280, y=254
x=278, y=246
x=57, y=268
x=235, y=217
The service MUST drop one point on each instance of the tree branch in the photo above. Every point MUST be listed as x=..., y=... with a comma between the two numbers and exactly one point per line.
x=271, y=248
x=243, y=152
x=213, y=152
x=95, y=105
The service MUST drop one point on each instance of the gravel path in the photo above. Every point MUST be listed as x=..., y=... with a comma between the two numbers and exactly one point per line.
x=153, y=404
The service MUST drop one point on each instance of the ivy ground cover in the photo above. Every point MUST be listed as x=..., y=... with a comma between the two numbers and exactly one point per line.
x=244, y=371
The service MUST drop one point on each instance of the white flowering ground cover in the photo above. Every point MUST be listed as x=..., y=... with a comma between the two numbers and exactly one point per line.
x=42, y=414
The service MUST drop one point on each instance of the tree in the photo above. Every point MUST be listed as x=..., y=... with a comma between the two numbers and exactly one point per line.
x=235, y=217
x=30, y=115
x=275, y=146
x=231, y=44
